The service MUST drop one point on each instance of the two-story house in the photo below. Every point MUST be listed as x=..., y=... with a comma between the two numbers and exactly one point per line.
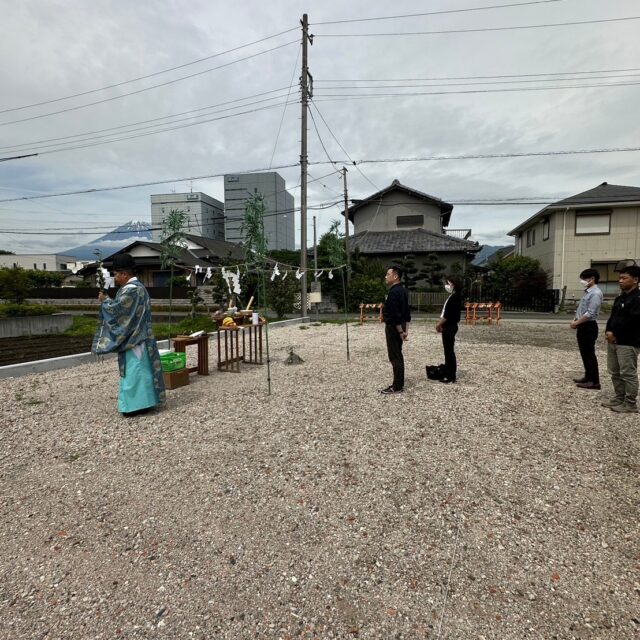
x=596, y=228
x=398, y=221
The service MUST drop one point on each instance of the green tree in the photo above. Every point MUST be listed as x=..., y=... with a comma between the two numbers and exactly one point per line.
x=14, y=284
x=433, y=270
x=410, y=275
x=173, y=243
x=45, y=279
x=520, y=274
x=4, y=252
x=282, y=294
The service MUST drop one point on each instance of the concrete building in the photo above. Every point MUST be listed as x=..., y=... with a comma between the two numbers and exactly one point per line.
x=40, y=261
x=279, y=220
x=596, y=228
x=206, y=214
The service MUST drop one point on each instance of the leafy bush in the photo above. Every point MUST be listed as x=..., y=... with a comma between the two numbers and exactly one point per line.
x=366, y=290
x=14, y=284
x=13, y=310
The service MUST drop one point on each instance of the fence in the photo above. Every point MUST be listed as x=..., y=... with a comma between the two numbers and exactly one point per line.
x=91, y=293
x=544, y=302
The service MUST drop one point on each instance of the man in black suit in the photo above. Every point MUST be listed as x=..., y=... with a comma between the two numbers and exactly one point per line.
x=396, y=318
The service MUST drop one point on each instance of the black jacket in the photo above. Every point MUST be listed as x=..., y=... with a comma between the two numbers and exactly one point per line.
x=453, y=308
x=396, y=307
x=624, y=321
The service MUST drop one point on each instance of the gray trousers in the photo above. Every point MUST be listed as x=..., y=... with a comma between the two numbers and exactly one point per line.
x=622, y=363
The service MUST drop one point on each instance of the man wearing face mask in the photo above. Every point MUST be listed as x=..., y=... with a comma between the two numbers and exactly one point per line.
x=586, y=327
x=447, y=325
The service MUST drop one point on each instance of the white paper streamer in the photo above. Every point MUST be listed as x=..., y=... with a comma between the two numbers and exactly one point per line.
x=330, y=275
x=276, y=272
x=208, y=274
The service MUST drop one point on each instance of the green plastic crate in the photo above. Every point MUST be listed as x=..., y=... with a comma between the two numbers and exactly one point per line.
x=173, y=361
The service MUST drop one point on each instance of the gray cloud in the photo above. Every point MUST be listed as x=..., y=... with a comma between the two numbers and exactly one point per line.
x=50, y=50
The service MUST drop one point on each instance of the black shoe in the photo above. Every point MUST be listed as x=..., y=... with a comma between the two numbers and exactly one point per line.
x=390, y=390
x=580, y=380
x=588, y=385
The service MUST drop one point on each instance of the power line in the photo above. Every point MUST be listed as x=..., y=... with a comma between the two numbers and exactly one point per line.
x=150, y=75
x=134, y=124
x=435, y=13
x=331, y=97
x=476, y=30
x=149, y=133
x=518, y=75
x=143, y=184
x=155, y=86
x=57, y=231
x=360, y=87
x=315, y=106
x=350, y=161
x=483, y=156
x=284, y=110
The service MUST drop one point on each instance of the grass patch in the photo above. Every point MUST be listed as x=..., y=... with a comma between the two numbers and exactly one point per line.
x=12, y=310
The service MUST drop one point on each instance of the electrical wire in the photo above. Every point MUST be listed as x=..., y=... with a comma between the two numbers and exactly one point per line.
x=155, y=86
x=476, y=30
x=94, y=230
x=472, y=84
x=150, y=75
x=315, y=106
x=517, y=75
x=284, y=111
x=483, y=156
x=149, y=133
x=435, y=13
x=143, y=184
x=336, y=97
x=140, y=122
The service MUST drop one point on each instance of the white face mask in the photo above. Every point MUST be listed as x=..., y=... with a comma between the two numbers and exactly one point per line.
x=584, y=283
x=448, y=288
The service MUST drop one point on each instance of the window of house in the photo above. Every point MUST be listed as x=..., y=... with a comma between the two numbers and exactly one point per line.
x=35, y=266
x=410, y=221
x=44, y=266
x=588, y=224
x=608, y=276
x=545, y=229
x=531, y=237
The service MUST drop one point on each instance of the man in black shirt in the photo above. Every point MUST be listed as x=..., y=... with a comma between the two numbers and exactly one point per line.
x=623, y=338
x=396, y=318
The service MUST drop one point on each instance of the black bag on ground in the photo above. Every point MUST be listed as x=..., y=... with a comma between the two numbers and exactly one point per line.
x=436, y=372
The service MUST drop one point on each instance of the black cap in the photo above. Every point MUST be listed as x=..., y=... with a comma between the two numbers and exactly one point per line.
x=123, y=262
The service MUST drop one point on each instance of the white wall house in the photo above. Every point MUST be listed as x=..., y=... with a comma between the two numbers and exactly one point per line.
x=596, y=228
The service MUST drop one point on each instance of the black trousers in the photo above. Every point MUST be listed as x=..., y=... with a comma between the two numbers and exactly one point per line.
x=394, y=350
x=449, y=331
x=587, y=334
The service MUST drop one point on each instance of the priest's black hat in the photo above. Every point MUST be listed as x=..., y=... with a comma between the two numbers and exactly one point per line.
x=124, y=262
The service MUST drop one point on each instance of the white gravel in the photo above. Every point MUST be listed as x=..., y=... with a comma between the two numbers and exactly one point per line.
x=502, y=507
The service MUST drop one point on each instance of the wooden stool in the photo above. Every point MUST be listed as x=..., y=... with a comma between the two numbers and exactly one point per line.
x=231, y=361
x=254, y=333
x=180, y=344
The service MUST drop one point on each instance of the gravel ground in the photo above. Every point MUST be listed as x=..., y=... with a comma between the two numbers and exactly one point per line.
x=505, y=506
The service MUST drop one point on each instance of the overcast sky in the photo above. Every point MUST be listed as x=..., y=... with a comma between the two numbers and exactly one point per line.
x=52, y=50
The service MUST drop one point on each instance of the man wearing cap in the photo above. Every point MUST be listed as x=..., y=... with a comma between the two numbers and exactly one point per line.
x=126, y=329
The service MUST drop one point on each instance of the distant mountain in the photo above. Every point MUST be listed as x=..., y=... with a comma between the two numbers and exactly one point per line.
x=113, y=241
x=486, y=252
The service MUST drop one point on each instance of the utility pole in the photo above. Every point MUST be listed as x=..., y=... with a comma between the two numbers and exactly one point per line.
x=346, y=223
x=306, y=90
